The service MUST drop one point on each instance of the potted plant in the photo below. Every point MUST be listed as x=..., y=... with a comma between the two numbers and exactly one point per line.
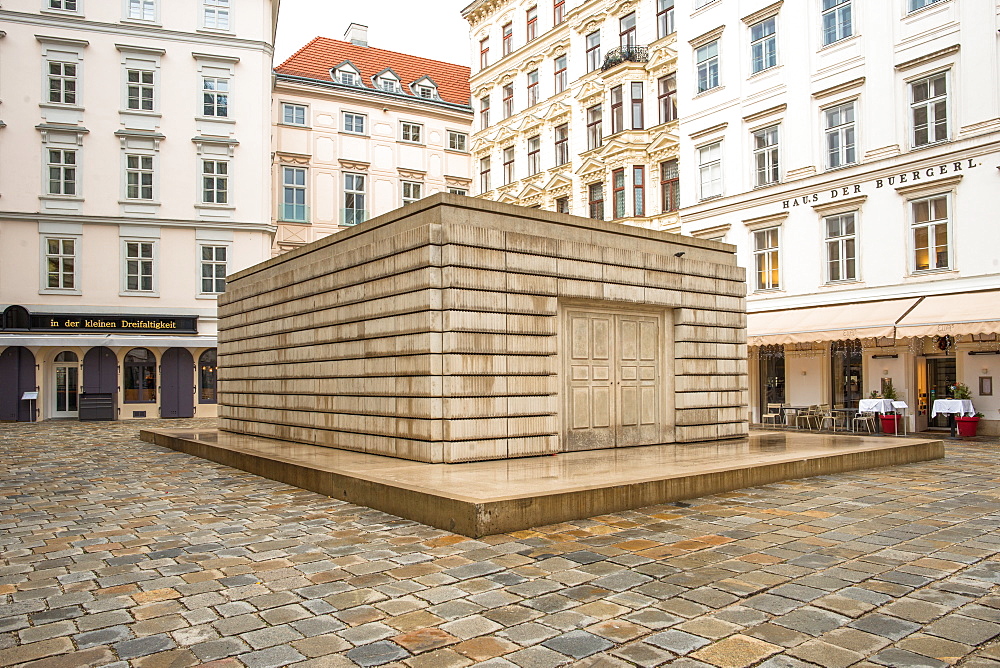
x=890, y=421
x=967, y=426
x=960, y=391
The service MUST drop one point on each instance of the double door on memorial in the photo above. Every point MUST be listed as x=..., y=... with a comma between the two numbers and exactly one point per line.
x=614, y=380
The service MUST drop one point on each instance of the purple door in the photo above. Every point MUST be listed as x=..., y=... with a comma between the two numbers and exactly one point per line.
x=177, y=384
x=100, y=372
x=17, y=376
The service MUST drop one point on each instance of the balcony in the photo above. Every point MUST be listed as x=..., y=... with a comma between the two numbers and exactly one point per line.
x=353, y=216
x=631, y=54
x=293, y=213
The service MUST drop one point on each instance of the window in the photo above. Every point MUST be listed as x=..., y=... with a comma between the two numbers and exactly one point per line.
x=389, y=84
x=62, y=82
x=562, y=144
x=139, y=90
x=765, y=253
x=594, y=51
x=216, y=14
x=531, y=17
x=841, y=258
x=532, y=87
x=64, y=5
x=207, y=376
x=839, y=123
x=354, y=199
x=914, y=5
x=293, y=202
x=617, y=111
x=558, y=11
x=664, y=18
x=710, y=170
x=139, y=377
x=348, y=77
x=765, y=156
x=142, y=10
x=484, y=112
x=508, y=100
x=534, y=152
x=213, y=269
x=215, y=97
x=215, y=182
x=670, y=186
x=930, y=233
x=62, y=171
x=637, y=117
x=638, y=190
x=139, y=266
x=60, y=263
x=411, y=132
x=626, y=25
x=846, y=372
x=426, y=91
x=595, y=200
x=411, y=192
x=618, y=192
x=929, y=105
x=354, y=123
x=508, y=165
x=560, y=74
x=484, y=175
x=562, y=205
x=507, y=41
x=139, y=177
x=458, y=191
x=458, y=141
x=594, y=134
x=293, y=114
x=763, y=46
x=837, y=22
x=667, y=97
x=707, y=63
x=484, y=52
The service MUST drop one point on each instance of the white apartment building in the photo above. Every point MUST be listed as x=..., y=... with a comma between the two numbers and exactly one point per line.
x=850, y=151
x=576, y=107
x=134, y=177
x=359, y=131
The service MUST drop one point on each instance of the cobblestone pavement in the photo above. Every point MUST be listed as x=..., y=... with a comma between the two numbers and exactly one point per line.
x=120, y=553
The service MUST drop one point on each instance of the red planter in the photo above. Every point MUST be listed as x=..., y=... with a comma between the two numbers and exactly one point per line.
x=967, y=426
x=890, y=422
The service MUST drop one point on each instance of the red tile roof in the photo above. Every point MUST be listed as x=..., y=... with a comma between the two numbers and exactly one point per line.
x=315, y=59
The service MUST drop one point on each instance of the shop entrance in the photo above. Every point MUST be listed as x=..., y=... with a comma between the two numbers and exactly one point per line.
x=940, y=376
x=66, y=386
x=613, y=380
x=177, y=384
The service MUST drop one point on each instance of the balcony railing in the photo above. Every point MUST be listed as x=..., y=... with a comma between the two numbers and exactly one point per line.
x=353, y=216
x=293, y=213
x=632, y=54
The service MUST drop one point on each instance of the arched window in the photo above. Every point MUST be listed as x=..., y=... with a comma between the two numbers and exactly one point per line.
x=140, y=377
x=67, y=356
x=206, y=377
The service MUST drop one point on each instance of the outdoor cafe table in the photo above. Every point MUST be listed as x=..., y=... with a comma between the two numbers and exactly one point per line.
x=950, y=407
x=875, y=406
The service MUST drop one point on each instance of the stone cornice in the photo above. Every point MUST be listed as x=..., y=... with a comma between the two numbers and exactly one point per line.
x=761, y=14
x=839, y=88
x=708, y=131
x=706, y=37
x=756, y=116
x=930, y=57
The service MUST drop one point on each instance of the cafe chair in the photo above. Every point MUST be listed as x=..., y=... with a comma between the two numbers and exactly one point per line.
x=773, y=414
x=809, y=416
x=833, y=417
x=867, y=420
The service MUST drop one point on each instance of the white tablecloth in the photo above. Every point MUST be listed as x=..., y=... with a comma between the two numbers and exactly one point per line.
x=960, y=406
x=875, y=406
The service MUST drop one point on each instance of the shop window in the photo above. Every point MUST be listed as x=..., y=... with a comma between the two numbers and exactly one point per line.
x=140, y=377
x=207, y=376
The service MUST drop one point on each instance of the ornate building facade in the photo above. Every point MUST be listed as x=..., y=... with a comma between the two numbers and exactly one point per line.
x=576, y=107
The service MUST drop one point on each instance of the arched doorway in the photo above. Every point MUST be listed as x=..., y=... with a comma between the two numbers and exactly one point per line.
x=66, y=385
x=177, y=384
x=17, y=369
x=139, y=377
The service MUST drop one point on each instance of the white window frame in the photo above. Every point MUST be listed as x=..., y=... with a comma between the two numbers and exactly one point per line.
x=62, y=167
x=287, y=187
x=769, y=257
x=140, y=85
x=215, y=184
x=62, y=6
x=219, y=91
x=411, y=132
x=709, y=166
x=294, y=107
x=411, y=191
x=560, y=77
x=764, y=49
x=533, y=92
x=217, y=15
x=843, y=245
x=354, y=116
x=350, y=188
x=64, y=79
x=145, y=11
x=917, y=5
x=153, y=261
x=931, y=226
x=44, y=287
x=213, y=263
x=347, y=75
x=458, y=141
x=707, y=68
x=930, y=105
x=459, y=191
x=841, y=132
x=833, y=22
x=426, y=91
x=139, y=169
x=766, y=157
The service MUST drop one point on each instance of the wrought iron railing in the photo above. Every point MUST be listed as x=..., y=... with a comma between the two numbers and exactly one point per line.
x=632, y=54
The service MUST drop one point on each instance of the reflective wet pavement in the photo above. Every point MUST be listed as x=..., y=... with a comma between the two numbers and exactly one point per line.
x=119, y=552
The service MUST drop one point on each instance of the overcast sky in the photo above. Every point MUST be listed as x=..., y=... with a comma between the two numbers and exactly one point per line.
x=430, y=29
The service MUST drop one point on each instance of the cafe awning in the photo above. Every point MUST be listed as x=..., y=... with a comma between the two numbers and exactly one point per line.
x=827, y=323
x=954, y=314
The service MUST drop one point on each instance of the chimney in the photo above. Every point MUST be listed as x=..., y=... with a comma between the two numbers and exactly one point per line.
x=357, y=34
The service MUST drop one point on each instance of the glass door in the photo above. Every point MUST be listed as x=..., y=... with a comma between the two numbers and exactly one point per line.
x=772, y=376
x=67, y=385
x=940, y=376
x=845, y=373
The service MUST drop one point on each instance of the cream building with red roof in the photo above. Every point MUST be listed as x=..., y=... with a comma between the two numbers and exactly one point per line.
x=359, y=131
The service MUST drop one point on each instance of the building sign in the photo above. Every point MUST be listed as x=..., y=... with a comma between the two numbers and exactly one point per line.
x=896, y=180
x=17, y=318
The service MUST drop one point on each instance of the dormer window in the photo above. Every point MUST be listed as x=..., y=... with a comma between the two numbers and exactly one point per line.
x=388, y=82
x=428, y=92
x=347, y=74
x=425, y=88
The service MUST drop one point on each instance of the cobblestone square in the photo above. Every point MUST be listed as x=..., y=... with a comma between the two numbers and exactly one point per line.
x=116, y=552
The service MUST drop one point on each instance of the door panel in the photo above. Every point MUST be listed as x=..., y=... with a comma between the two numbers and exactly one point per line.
x=639, y=388
x=590, y=383
x=100, y=372
x=17, y=376
x=177, y=384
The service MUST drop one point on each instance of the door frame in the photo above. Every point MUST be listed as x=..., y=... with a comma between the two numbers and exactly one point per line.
x=55, y=413
x=665, y=321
